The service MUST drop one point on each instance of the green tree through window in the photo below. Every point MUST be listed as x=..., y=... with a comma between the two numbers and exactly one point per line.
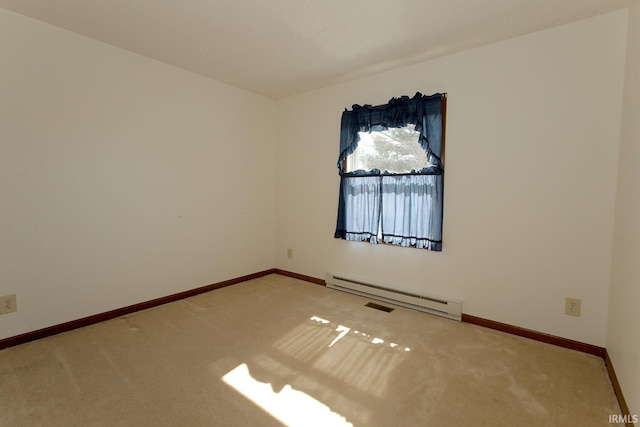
x=394, y=150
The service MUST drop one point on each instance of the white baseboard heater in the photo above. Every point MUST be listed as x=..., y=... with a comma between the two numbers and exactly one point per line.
x=451, y=309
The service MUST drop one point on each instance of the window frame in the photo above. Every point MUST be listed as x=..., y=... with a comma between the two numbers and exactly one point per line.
x=433, y=220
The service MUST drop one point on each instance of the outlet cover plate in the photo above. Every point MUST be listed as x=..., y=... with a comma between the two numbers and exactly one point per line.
x=8, y=304
x=573, y=306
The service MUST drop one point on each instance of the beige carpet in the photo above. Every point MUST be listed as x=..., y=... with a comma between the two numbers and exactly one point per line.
x=277, y=351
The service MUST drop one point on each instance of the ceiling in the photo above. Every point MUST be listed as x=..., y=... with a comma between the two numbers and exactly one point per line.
x=282, y=47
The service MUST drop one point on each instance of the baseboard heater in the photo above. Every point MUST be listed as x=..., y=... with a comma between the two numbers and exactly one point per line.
x=451, y=309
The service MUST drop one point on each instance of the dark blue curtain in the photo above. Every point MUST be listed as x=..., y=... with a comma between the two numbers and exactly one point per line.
x=406, y=208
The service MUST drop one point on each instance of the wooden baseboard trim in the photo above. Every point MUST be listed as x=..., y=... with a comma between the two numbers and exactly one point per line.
x=96, y=318
x=86, y=321
x=534, y=335
x=298, y=276
x=504, y=327
x=624, y=408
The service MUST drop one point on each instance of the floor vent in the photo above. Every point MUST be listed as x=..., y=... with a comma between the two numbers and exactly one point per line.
x=379, y=307
x=445, y=307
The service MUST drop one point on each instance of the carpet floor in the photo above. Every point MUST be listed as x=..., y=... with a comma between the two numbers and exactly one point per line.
x=278, y=351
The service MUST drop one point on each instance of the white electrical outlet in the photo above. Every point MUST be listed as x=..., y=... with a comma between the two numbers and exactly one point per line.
x=572, y=306
x=8, y=304
x=289, y=253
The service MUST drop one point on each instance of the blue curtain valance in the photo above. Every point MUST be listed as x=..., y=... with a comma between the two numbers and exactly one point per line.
x=425, y=112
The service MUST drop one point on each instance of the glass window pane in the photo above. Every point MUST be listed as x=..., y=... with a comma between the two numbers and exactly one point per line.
x=394, y=150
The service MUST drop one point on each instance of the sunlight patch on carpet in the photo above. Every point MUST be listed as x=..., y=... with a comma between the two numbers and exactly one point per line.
x=289, y=406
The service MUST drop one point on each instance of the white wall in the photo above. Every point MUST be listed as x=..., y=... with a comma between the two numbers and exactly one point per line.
x=624, y=305
x=113, y=179
x=531, y=161
x=122, y=179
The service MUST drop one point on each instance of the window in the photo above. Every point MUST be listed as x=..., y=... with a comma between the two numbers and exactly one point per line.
x=392, y=172
x=395, y=150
